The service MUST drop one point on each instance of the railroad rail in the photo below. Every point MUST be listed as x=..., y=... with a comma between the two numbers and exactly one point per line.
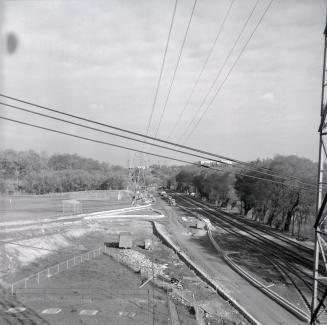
x=262, y=228
x=278, y=254
x=219, y=217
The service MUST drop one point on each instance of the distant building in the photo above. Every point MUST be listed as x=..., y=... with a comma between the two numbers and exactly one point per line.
x=142, y=167
x=71, y=207
x=212, y=163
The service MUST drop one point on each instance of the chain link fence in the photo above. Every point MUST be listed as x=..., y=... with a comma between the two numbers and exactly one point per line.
x=34, y=280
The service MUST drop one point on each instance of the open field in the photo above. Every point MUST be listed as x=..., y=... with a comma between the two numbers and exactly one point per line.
x=101, y=285
x=30, y=207
x=72, y=295
x=112, y=288
x=59, y=242
x=97, y=284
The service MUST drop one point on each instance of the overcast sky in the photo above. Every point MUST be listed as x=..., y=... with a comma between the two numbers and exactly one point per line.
x=101, y=60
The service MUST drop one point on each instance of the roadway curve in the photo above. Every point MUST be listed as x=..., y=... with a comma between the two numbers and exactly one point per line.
x=254, y=301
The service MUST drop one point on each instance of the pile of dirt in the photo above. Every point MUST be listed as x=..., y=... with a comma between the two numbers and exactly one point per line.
x=17, y=254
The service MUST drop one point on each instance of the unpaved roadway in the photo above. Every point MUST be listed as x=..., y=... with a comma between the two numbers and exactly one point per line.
x=254, y=301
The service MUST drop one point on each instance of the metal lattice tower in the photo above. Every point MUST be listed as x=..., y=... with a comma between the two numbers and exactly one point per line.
x=318, y=306
x=137, y=178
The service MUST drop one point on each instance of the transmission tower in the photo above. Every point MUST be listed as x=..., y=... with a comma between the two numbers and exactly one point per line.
x=137, y=179
x=318, y=306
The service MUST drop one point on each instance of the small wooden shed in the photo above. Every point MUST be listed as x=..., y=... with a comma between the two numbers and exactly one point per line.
x=125, y=240
x=147, y=243
x=71, y=207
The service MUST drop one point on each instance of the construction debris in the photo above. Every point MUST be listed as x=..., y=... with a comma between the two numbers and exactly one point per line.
x=200, y=224
x=137, y=261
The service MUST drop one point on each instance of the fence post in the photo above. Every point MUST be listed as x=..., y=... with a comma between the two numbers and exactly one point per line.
x=12, y=289
x=26, y=283
x=48, y=272
x=38, y=277
x=58, y=267
x=67, y=264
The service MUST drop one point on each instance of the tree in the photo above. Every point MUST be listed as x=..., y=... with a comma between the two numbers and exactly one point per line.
x=184, y=180
x=274, y=203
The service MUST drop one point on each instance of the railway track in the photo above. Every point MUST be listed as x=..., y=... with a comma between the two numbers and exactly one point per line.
x=270, y=232
x=224, y=221
x=273, y=251
x=279, y=255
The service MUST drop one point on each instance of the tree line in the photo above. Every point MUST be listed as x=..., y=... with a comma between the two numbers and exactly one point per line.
x=30, y=172
x=275, y=204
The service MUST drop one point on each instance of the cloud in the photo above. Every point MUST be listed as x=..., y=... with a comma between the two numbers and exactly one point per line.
x=103, y=62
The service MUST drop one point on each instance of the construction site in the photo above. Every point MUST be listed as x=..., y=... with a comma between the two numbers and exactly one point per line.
x=163, y=162
x=108, y=267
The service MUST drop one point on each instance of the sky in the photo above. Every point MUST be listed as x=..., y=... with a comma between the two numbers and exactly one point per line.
x=101, y=60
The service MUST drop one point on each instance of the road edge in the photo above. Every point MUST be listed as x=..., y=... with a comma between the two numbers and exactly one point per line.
x=203, y=274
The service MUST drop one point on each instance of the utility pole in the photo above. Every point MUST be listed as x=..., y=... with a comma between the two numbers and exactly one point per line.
x=320, y=243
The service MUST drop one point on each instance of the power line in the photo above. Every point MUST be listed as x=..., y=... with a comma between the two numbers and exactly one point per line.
x=229, y=72
x=106, y=132
x=145, y=152
x=29, y=246
x=138, y=140
x=204, y=99
x=147, y=137
x=93, y=140
x=176, y=67
x=161, y=69
x=205, y=63
x=114, y=134
x=161, y=72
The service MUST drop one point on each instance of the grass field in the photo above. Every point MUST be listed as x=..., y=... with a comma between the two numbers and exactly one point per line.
x=31, y=207
x=99, y=291
x=101, y=285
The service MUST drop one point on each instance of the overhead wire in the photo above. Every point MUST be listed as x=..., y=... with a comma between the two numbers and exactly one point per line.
x=219, y=72
x=30, y=246
x=160, y=75
x=161, y=69
x=138, y=140
x=146, y=152
x=91, y=140
x=118, y=135
x=176, y=68
x=229, y=72
x=205, y=63
x=255, y=168
x=129, y=138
